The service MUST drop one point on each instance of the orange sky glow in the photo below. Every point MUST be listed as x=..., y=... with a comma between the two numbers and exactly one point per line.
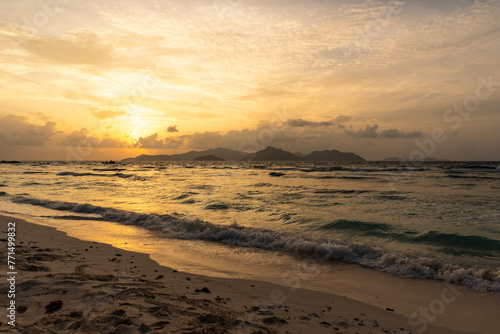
x=94, y=80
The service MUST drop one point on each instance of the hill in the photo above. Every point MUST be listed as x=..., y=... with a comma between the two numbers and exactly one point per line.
x=270, y=153
x=223, y=153
x=208, y=158
x=275, y=154
x=334, y=155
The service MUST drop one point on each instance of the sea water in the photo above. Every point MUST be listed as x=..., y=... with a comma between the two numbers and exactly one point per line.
x=436, y=220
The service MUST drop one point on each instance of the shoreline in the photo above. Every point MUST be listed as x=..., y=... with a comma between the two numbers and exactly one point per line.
x=131, y=293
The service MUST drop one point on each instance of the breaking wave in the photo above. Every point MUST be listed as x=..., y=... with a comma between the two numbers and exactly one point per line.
x=319, y=248
x=124, y=176
x=109, y=169
x=457, y=241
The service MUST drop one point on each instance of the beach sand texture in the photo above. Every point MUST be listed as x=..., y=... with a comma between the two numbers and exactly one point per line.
x=67, y=285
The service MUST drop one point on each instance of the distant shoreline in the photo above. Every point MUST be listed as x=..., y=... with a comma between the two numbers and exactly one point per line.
x=234, y=161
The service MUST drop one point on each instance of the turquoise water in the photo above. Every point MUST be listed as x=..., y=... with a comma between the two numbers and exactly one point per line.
x=436, y=220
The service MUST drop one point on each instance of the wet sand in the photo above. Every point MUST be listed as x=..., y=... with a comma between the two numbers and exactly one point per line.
x=68, y=285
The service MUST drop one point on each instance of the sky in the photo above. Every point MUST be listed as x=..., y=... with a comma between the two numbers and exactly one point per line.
x=111, y=79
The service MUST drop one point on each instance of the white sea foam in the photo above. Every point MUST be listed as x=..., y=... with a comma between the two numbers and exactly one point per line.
x=321, y=249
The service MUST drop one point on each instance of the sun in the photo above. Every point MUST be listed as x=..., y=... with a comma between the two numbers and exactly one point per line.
x=133, y=135
x=140, y=122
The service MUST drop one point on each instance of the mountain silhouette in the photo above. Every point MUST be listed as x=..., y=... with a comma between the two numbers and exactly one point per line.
x=334, y=155
x=275, y=154
x=208, y=158
x=223, y=153
x=270, y=153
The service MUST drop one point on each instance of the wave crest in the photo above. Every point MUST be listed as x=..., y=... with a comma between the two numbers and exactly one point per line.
x=319, y=248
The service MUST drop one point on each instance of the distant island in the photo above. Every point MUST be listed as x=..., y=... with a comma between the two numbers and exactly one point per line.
x=270, y=153
x=222, y=153
x=427, y=159
x=208, y=158
x=334, y=155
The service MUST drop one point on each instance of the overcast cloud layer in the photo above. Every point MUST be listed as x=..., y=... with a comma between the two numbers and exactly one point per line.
x=379, y=78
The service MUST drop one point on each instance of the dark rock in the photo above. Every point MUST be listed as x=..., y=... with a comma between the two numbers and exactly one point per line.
x=21, y=309
x=143, y=328
x=53, y=306
x=159, y=324
x=125, y=322
x=274, y=320
x=118, y=313
x=208, y=318
x=343, y=324
x=34, y=267
x=76, y=314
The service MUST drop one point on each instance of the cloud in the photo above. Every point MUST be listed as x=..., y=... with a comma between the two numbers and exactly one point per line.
x=368, y=132
x=106, y=114
x=80, y=138
x=73, y=49
x=253, y=139
x=204, y=140
x=172, y=128
x=150, y=142
x=112, y=143
x=294, y=134
x=341, y=119
x=34, y=135
x=83, y=138
x=301, y=123
x=307, y=55
x=17, y=130
x=395, y=133
x=175, y=142
x=372, y=132
x=338, y=120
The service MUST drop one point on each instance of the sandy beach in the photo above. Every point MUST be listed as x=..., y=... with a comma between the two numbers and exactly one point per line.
x=250, y=166
x=68, y=285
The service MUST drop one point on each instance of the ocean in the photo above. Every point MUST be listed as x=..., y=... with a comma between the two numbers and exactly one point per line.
x=434, y=220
